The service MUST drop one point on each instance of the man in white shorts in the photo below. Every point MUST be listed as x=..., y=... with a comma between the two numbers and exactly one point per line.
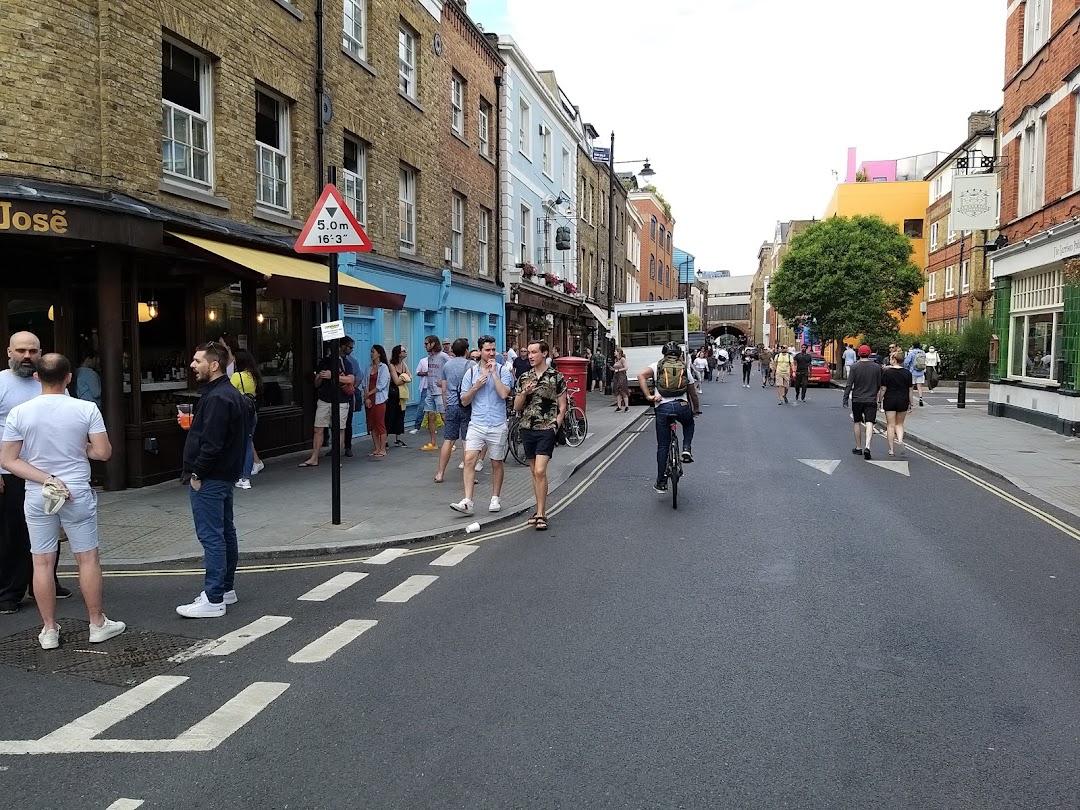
x=485, y=387
x=45, y=444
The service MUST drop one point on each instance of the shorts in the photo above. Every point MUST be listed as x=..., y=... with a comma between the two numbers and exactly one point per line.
x=78, y=517
x=538, y=442
x=865, y=412
x=918, y=377
x=456, y=424
x=491, y=436
x=432, y=401
x=783, y=380
x=322, y=414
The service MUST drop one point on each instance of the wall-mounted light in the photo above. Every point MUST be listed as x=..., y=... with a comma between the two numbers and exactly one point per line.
x=152, y=306
x=212, y=315
x=260, y=318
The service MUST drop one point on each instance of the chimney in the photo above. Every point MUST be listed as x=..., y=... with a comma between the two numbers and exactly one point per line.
x=980, y=121
x=850, y=178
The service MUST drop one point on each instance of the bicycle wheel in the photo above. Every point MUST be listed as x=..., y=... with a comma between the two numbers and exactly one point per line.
x=514, y=441
x=674, y=470
x=576, y=427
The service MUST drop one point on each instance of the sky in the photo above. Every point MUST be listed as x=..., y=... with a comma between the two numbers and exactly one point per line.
x=746, y=107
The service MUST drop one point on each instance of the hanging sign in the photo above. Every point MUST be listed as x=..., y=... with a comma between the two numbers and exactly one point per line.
x=974, y=202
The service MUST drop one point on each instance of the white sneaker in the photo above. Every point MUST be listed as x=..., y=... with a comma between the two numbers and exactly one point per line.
x=461, y=466
x=230, y=598
x=201, y=608
x=495, y=505
x=49, y=639
x=479, y=466
x=465, y=506
x=107, y=630
x=244, y=483
x=414, y=431
x=257, y=467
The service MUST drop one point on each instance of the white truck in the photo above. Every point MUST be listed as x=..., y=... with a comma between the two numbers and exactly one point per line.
x=642, y=328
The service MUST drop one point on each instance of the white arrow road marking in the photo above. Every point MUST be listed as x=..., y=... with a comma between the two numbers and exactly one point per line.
x=238, y=639
x=325, y=646
x=407, y=589
x=126, y=804
x=893, y=466
x=206, y=735
x=385, y=556
x=332, y=587
x=454, y=555
x=827, y=466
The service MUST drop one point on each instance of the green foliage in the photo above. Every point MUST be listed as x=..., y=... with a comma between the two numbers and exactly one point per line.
x=854, y=275
x=860, y=176
x=968, y=351
x=666, y=205
x=693, y=322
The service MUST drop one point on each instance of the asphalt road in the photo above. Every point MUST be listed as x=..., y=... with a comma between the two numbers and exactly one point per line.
x=788, y=638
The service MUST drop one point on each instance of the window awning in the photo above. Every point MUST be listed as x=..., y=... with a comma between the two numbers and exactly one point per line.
x=600, y=315
x=295, y=278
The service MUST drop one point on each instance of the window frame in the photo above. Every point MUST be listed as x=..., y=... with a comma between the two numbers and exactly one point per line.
x=349, y=42
x=357, y=200
x=483, y=127
x=950, y=281
x=525, y=128
x=525, y=233
x=652, y=265
x=1031, y=192
x=566, y=173
x=206, y=101
x=457, y=230
x=547, y=145
x=931, y=287
x=652, y=228
x=407, y=180
x=457, y=104
x=408, y=71
x=965, y=277
x=284, y=135
x=1037, y=16
x=934, y=231
x=483, y=241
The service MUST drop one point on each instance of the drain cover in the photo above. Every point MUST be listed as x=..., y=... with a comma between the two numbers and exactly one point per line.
x=127, y=660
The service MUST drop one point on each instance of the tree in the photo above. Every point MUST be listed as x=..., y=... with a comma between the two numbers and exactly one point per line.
x=693, y=322
x=854, y=275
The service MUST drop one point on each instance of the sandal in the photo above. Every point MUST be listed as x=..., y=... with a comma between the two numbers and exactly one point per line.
x=541, y=523
x=532, y=521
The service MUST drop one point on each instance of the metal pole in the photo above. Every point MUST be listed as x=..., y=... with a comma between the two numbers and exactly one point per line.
x=610, y=353
x=335, y=396
x=959, y=285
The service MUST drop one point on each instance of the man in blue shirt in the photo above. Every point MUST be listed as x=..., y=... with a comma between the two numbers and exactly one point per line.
x=485, y=387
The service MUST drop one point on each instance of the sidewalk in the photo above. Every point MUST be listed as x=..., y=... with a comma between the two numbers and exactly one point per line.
x=386, y=502
x=1038, y=461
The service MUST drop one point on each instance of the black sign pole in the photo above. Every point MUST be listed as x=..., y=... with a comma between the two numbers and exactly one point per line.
x=335, y=417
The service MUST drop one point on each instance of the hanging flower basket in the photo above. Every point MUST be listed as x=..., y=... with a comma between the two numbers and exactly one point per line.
x=569, y=287
x=528, y=270
x=551, y=279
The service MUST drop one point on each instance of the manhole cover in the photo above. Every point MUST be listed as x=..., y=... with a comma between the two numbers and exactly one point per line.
x=127, y=660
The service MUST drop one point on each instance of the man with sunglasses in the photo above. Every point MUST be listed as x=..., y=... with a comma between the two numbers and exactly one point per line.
x=213, y=461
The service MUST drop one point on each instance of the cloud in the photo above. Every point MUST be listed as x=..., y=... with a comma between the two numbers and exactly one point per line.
x=746, y=106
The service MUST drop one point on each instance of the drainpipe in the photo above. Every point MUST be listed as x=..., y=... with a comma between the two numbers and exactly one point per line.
x=320, y=93
x=498, y=182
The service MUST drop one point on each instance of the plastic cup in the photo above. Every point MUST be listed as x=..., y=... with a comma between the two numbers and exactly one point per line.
x=184, y=415
x=472, y=527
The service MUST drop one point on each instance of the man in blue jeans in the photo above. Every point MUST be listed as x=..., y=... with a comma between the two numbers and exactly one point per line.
x=213, y=461
x=674, y=397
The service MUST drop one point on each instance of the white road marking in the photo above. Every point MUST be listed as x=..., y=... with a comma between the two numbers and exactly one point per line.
x=325, y=646
x=893, y=466
x=454, y=555
x=385, y=556
x=238, y=639
x=111, y=712
x=827, y=466
x=205, y=735
x=332, y=587
x=969, y=399
x=126, y=804
x=407, y=589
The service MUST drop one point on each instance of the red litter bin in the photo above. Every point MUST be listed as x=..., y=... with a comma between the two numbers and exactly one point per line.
x=576, y=371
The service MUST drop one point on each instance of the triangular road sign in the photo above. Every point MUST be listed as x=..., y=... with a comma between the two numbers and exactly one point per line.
x=827, y=466
x=332, y=228
x=894, y=466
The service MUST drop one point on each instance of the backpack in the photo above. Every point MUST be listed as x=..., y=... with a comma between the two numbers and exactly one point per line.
x=920, y=360
x=671, y=377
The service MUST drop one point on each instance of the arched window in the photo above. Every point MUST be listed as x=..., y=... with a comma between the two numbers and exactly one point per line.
x=660, y=273
x=652, y=265
x=652, y=229
x=650, y=296
x=661, y=237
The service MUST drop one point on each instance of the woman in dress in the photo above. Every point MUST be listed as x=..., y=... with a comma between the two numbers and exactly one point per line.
x=395, y=407
x=376, y=392
x=895, y=397
x=248, y=381
x=619, y=385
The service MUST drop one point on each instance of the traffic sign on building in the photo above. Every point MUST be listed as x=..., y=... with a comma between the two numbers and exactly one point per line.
x=332, y=228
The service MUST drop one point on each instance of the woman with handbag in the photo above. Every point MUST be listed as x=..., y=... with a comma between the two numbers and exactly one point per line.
x=376, y=392
x=248, y=381
x=398, y=395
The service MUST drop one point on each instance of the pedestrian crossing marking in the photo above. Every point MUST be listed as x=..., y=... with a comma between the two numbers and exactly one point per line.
x=386, y=556
x=407, y=589
x=454, y=555
x=126, y=804
x=332, y=587
x=329, y=643
x=827, y=466
x=80, y=736
x=893, y=466
x=238, y=639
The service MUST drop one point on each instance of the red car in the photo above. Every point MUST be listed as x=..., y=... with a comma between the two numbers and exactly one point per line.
x=819, y=372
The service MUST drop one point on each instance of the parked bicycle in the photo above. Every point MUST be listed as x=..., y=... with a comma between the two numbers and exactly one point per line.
x=575, y=425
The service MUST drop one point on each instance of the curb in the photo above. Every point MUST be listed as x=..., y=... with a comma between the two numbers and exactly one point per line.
x=505, y=516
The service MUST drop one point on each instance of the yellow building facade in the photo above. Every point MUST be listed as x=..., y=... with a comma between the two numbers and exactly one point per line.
x=903, y=203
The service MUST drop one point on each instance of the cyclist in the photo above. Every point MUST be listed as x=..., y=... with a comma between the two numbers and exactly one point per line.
x=675, y=393
x=765, y=364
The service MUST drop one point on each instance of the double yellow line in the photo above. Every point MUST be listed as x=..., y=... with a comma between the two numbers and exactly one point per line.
x=560, y=505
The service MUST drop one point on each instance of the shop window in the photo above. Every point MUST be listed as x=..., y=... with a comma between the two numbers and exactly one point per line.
x=186, y=109
x=1036, y=330
x=275, y=340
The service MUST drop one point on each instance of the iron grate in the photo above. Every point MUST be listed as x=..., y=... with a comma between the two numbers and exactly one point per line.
x=129, y=659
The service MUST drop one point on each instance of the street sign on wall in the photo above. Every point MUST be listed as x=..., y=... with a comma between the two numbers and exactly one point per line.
x=332, y=228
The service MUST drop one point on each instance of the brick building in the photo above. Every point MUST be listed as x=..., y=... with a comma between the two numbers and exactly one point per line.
x=656, y=271
x=1037, y=276
x=759, y=328
x=957, y=264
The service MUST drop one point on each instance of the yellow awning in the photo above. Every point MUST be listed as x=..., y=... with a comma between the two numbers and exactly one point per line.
x=289, y=277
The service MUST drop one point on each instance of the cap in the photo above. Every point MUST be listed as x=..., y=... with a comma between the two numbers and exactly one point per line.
x=864, y=351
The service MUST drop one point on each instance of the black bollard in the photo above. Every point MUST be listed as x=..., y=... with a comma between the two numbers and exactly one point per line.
x=961, y=393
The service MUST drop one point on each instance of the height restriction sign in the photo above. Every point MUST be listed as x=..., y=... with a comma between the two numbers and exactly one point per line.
x=332, y=228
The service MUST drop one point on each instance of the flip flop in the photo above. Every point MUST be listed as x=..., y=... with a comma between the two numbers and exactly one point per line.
x=307, y=464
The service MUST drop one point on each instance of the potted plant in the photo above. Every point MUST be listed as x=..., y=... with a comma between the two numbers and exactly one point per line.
x=551, y=279
x=528, y=270
x=569, y=287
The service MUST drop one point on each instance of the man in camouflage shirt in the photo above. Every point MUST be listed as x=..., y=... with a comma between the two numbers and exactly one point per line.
x=540, y=398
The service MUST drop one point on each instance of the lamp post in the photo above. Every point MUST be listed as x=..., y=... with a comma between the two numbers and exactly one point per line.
x=646, y=171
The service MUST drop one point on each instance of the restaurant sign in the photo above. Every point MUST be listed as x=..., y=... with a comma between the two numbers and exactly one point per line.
x=25, y=218
x=33, y=219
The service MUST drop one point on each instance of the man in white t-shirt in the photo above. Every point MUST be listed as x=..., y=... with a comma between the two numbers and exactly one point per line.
x=46, y=444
